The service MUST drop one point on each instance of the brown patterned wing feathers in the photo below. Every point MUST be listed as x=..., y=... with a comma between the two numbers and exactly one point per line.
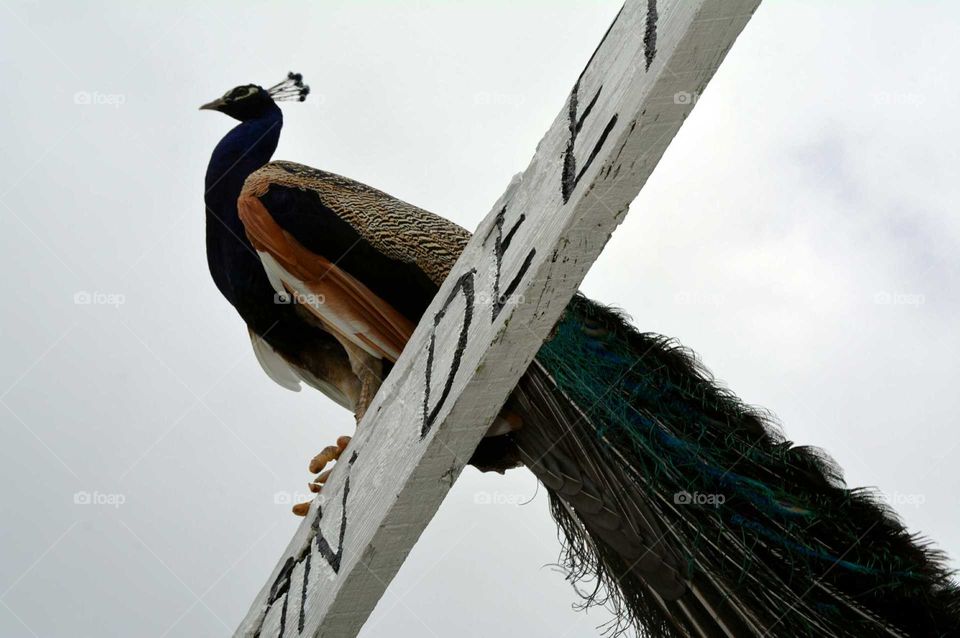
x=396, y=229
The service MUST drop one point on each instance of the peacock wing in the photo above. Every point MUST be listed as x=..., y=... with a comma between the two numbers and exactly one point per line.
x=363, y=263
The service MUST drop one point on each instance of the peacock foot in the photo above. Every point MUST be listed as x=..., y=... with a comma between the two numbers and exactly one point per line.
x=327, y=455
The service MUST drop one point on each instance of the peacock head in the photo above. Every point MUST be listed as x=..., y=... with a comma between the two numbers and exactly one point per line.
x=251, y=101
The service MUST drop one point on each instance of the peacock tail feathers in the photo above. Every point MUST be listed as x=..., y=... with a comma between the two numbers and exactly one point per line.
x=765, y=534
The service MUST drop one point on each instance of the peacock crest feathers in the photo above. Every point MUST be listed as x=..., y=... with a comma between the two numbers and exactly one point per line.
x=290, y=89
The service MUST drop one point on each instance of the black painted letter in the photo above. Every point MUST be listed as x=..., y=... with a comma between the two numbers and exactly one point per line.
x=500, y=247
x=571, y=177
x=464, y=284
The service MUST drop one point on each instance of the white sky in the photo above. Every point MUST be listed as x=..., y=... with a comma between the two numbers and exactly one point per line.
x=817, y=176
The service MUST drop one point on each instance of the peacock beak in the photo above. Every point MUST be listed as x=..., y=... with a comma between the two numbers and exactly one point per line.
x=214, y=105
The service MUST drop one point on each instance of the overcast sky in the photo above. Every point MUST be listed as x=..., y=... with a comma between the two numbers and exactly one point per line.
x=800, y=234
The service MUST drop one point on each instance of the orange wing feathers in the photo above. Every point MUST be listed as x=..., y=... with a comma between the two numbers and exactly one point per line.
x=345, y=306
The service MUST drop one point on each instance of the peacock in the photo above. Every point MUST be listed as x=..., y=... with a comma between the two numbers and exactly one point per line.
x=687, y=510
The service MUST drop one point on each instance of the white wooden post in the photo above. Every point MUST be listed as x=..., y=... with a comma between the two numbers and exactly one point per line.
x=482, y=330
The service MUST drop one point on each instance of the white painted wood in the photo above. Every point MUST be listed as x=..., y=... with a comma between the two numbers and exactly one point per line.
x=627, y=105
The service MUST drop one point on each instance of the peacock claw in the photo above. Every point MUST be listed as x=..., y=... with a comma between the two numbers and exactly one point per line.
x=320, y=480
x=320, y=461
x=328, y=454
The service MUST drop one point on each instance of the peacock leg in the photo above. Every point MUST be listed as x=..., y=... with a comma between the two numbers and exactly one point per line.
x=369, y=372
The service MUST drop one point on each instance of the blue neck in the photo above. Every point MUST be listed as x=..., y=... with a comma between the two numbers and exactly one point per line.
x=233, y=263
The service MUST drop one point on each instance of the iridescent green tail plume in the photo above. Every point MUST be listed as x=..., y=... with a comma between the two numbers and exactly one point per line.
x=694, y=513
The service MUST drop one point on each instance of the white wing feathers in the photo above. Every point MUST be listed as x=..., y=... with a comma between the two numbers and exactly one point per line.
x=289, y=376
x=274, y=365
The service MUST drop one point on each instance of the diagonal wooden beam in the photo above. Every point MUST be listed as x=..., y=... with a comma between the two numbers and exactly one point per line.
x=489, y=319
